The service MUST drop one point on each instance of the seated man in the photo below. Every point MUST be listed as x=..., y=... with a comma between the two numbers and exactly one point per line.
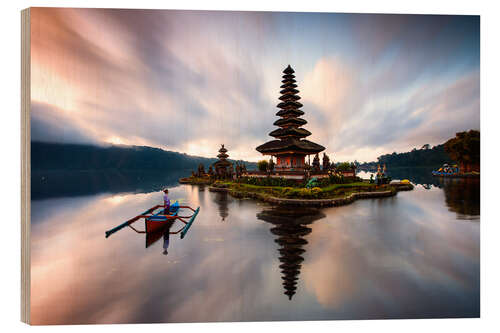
x=166, y=202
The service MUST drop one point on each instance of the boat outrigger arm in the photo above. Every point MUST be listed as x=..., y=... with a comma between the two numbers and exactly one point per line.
x=160, y=217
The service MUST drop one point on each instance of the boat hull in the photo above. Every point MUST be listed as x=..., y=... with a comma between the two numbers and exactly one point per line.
x=153, y=226
x=159, y=220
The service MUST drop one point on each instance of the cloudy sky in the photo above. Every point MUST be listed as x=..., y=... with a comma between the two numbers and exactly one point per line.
x=190, y=80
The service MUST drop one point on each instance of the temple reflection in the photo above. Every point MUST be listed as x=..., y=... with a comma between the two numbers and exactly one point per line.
x=290, y=227
x=222, y=201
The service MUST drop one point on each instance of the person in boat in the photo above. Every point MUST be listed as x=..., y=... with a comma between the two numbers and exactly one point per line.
x=166, y=201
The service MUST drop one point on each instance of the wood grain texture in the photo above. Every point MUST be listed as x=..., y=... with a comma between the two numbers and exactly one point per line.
x=25, y=165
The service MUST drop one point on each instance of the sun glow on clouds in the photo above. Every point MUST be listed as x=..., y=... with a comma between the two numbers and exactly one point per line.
x=50, y=88
x=189, y=81
x=115, y=140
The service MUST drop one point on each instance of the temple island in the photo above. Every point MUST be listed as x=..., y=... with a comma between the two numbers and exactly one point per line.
x=289, y=177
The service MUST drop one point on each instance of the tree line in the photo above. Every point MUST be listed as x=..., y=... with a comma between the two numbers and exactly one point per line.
x=58, y=156
x=464, y=149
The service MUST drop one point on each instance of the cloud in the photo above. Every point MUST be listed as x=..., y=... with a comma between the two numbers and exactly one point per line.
x=190, y=80
x=50, y=124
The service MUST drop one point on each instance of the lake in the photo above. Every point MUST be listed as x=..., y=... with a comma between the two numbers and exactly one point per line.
x=415, y=255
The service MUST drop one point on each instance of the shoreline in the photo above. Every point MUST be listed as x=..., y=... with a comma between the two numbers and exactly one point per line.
x=466, y=175
x=328, y=202
x=195, y=181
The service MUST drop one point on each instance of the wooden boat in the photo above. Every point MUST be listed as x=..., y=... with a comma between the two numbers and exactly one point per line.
x=160, y=219
x=155, y=221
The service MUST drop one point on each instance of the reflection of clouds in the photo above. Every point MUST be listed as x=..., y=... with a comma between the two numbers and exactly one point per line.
x=401, y=257
x=432, y=264
x=78, y=276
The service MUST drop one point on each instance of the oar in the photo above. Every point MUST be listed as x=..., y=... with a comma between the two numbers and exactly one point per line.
x=132, y=220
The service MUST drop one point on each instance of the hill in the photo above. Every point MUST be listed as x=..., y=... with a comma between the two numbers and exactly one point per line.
x=424, y=157
x=56, y=156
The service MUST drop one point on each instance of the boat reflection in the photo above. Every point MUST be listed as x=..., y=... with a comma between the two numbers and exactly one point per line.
x=290, y=227
x=153, y=237
x=164, y=232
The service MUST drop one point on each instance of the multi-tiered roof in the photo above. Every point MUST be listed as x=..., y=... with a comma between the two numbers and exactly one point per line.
x=290, y=134
x=222, y=162
x=222, y=153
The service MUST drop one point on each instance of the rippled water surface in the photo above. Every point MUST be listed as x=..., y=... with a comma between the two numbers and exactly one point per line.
x=415, y=255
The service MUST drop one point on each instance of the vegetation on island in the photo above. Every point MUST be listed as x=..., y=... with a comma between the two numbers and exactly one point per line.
x=334, y=186
x=423, y=157
x=465, y=149
x=331, y=191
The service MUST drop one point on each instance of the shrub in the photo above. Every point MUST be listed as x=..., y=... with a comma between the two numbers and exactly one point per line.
x=263, y=165
x=316, y=190
x=336, y=178
x=344, y=166
x=268, y=181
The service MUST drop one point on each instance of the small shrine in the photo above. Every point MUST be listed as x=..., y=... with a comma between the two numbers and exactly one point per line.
x=223, y=168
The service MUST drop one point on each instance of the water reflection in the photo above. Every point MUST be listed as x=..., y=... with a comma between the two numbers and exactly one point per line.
x=462, y=195
x=222, y=201
x=153, y=237
x=290, y=227
x=408, y=256
x=60, y=183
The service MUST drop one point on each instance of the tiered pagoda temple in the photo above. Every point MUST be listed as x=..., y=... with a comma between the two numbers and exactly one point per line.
x=222, y=166
x=290, y=148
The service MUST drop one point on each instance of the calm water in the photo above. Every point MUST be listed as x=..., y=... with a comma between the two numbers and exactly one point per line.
x=415, y=255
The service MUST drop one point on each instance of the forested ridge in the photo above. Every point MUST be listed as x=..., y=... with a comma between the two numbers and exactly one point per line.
x=423, y=157
x=58, y=156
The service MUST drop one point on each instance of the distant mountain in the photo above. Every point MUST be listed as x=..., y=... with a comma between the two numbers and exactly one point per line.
x=62, y=156
x=424, y=157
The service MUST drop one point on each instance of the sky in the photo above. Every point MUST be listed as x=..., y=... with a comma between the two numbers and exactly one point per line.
x=188, y=81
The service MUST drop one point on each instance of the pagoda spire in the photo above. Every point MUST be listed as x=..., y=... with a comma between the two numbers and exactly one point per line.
x=222, y=153
x=290, y=146
x=290, y=121
x=222, y=166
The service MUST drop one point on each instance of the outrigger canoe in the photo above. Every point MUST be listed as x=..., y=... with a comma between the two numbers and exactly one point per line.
x=155, y=221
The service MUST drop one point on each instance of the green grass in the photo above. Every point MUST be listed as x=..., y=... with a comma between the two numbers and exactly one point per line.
x=333, y=187
x=328, y=192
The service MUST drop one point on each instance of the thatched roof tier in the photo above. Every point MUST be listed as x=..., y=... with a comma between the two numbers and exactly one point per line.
x=223, y=156
x=291, y=144
x=289, y=113
x=288, y=81
x=222, y=163
x=289, y=90
x=290, y=131
x=222, y=149
x=288, y=85
x=290, y=121
x=290, y=105
x=289, y=97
